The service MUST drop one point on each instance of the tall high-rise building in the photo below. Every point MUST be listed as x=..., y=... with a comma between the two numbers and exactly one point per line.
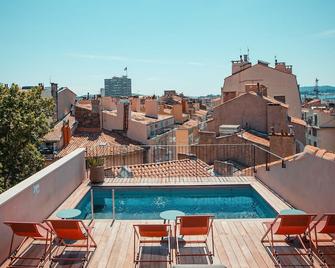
x=118, y=86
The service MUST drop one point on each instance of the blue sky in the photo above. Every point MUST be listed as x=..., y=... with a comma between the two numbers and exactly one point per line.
x=186, y=45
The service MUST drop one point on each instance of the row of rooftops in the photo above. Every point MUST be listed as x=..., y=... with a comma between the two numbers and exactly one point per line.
x=244, y=63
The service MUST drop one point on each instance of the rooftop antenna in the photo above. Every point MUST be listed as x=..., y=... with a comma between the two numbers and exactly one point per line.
x=316, y=88
x=248, y=53
x=126, y=70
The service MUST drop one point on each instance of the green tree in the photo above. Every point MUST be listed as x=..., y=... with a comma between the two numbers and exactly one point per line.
x=24, y=120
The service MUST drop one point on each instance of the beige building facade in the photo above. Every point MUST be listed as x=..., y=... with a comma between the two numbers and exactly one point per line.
x=281, y=83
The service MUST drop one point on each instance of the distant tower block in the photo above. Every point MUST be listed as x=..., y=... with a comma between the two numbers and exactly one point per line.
x=316, y=88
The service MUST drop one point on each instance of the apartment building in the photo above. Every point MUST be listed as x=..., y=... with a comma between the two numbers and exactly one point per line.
x=252, y=118
x=279, y=80
x=147, y=128
x=118, y=87
x=64, y=99
x=320, y=126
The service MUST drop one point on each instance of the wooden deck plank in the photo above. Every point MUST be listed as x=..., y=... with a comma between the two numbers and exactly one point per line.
x=234, y=245
x=237, y=244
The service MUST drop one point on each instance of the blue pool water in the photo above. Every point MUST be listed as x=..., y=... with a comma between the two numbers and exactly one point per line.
x=233, y=202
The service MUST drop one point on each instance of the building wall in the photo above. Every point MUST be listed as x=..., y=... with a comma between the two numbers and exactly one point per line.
x=151, y=108
x=282, y=145
x=182, y=140
x=300, y=135
x=326, y=139
x=224, y=148
x=307, y=182
x=138, y=131
x=250, y=111
x=278, y=84
x=108, y=103
x=87, y=119
x=35, y=198
x=277, y=118
x=247, y=110
x=66, y=99
x=136, y=104
x=177, y=112
x=111, y=121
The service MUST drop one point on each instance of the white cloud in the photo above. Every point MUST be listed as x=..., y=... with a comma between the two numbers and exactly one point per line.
x=126, y=59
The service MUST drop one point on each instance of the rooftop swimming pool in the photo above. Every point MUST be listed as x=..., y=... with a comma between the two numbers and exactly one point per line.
x=140, y=203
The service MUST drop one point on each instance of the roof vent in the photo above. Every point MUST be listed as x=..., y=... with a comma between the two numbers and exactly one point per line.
x=125, y=172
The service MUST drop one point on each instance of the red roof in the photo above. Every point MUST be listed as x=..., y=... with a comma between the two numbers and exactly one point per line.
x=176, y=168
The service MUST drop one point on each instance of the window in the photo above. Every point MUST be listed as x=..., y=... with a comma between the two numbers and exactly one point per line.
x=315, y=144
x=280, y=98
x=315, y=120
x=314, y=132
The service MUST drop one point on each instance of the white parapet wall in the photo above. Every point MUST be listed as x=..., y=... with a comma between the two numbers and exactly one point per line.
x=307, y=182
x=35, y=198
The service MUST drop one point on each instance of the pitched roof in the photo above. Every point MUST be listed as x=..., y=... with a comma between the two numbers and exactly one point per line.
x=254, y=138
x=298, y=121
x=190, y=124
x=99, y=144
x=257, y=64
x=266, y=98
x=55, y=134
x=176, y=168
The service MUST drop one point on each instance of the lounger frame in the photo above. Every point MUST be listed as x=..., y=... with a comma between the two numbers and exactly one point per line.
x=139, y=242
x=210, y=233
x=276, y=255
x=90, y=242
x=12, y=255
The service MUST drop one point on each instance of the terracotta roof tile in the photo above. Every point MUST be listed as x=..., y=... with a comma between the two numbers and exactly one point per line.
x=56, y=133
x=176, y=168
x=298, y=121
x=98, y=144
x=253, y=138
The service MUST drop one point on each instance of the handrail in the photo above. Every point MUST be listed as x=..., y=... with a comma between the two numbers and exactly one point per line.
x=92, y=207
x=249, y=154
x=113, y=203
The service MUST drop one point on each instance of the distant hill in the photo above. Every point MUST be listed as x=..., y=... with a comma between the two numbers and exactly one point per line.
x=323, y=89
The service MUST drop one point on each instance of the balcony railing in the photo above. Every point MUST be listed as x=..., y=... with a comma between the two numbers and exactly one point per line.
x=170, y=160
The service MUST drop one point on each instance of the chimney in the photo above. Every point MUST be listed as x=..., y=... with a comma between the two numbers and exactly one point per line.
x=177, y=112
x=41, y=85
x=66, y=131
x=151, y=108
x=96, y=105
x=282, y=144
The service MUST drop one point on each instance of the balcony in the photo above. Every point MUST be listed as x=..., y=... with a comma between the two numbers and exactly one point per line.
x=65, y=183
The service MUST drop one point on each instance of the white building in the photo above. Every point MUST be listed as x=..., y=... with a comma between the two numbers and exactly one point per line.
x=320, y=127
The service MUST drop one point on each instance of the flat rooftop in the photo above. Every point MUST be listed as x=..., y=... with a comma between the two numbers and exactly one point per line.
x=63, y=185
x=237, y=241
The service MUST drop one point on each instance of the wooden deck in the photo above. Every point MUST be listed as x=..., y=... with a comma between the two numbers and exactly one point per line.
x=237, y=242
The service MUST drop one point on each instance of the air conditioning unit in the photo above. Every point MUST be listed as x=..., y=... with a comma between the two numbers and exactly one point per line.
x=229, y=129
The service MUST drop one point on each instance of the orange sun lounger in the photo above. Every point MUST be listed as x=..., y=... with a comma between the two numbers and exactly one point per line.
x=145, y=233
x=199, y=225
x=33, y=230
x=73, y=230
x=326, y=226
x=289, y=225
